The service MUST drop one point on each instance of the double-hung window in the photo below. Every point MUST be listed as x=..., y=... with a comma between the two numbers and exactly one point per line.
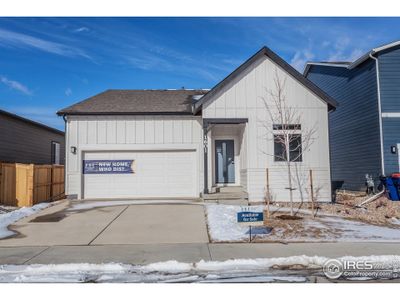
x=287, y=138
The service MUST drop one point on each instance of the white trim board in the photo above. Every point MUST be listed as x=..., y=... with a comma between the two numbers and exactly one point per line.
x=391, y=115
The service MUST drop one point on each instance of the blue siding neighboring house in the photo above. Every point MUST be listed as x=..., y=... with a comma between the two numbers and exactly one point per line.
x=389, y=71
x=356, y=143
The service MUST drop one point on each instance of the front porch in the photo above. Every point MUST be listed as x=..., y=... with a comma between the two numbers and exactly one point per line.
x=225, y=160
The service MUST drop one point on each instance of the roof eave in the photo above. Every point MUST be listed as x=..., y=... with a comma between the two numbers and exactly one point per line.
x=29, y=121
x=161, y=113
x=310, y=63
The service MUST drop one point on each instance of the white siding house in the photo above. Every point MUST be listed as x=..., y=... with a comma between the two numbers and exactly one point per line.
x=186, y=143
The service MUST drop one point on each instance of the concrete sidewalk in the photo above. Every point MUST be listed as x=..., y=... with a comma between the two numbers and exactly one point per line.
x=192, y=252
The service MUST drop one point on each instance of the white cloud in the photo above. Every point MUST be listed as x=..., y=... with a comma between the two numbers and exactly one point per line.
x=300, y=58
x=20, y=40
x=343, y=50
x=81, y=29
x=149, y=62
x=68, y=92
x=15, y=85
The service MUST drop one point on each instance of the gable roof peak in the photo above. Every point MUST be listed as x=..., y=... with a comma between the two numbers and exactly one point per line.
x=265, y=51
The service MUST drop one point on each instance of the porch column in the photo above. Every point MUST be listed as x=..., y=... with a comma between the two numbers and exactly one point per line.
x=205, y=148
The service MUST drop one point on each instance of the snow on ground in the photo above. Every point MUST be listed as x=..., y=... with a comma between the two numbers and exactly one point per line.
x=222, y=224
x=95, y=204
x=395, y=221
x=236, y=270
x=348, y=230
x=9, y=218
x=224, y=228
x=5, y=209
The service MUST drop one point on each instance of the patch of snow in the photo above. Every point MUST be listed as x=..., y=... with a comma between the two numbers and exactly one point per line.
x=259, y=263
x=85, y=205
x=222, y=222
x=171, y=266
x=235, y=270
x=395, y=221
x=259, y=278
x=359, y=230
x=11, y=217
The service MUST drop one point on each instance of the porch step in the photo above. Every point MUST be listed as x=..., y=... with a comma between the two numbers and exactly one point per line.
x=225, y=196
x=229, y=189
x=232, y=195
x=242, y=202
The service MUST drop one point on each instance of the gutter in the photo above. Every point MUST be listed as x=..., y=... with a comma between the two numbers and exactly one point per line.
x=379, y=107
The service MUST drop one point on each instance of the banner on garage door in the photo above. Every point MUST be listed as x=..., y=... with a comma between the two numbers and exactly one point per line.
x=108, y=166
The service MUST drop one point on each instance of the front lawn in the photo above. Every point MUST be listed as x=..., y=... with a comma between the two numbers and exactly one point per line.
x=325, y=227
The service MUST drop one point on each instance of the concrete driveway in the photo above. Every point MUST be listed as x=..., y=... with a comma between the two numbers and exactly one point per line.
x=111, y=225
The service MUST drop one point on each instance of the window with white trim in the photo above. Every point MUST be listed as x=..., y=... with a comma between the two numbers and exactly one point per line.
x=55, y=153
x=287, y=136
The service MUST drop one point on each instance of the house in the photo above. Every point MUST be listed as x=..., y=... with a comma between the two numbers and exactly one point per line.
x=27, y=141
x=364, y=130
x=190, y=143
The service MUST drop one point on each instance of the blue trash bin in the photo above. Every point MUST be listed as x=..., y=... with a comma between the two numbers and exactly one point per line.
x=396, y=182
x=391, y=188
x=392, y=185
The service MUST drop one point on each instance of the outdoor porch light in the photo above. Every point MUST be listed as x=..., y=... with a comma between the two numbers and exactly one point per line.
x=393, y=149
x=73, y=149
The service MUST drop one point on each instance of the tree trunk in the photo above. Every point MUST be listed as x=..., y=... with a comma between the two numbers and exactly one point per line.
x=290, y=189
x=287, y=144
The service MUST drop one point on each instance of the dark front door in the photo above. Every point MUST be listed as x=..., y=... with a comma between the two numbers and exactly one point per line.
x=225, y=161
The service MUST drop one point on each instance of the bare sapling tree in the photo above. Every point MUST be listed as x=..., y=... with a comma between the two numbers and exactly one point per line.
x=286, y=127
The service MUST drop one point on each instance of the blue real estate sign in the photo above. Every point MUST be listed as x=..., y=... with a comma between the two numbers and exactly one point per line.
x=250, y=218
x=108, y=166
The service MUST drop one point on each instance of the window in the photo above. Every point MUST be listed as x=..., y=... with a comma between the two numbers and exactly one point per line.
x=286, y=126
x=293, y=138
x=295, y=152
x=279, y=147
x=55, y=153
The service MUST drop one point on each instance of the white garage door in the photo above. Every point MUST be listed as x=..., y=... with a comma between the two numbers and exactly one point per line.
x=156, y=174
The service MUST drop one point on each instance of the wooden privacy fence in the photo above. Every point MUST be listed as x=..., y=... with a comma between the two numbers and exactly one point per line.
x=29, y=184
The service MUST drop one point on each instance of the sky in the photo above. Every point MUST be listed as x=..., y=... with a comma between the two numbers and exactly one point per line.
x=47, y=64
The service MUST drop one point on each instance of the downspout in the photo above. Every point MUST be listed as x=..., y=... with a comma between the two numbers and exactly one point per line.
x=65, y=154
x=379, y=110
x=205, y=159
x=65, y=141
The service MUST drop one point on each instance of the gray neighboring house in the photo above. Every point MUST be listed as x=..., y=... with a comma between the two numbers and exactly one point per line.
x=27, y=141
x=365, y=128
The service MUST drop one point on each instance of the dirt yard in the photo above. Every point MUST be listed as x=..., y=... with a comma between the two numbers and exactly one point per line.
x=334, y=221
x=381, y=211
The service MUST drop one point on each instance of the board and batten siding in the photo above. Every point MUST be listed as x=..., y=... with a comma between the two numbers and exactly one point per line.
x=354, y=125
x=242, y=98
x=389, y=72
x=128, y=133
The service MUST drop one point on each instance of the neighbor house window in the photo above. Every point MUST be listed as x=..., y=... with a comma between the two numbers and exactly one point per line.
x=55, y=153
x=287, y=134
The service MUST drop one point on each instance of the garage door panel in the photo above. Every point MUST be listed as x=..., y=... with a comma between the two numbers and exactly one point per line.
x=156, y=174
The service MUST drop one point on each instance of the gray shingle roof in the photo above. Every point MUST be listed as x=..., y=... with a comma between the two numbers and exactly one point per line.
x=135, y=102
